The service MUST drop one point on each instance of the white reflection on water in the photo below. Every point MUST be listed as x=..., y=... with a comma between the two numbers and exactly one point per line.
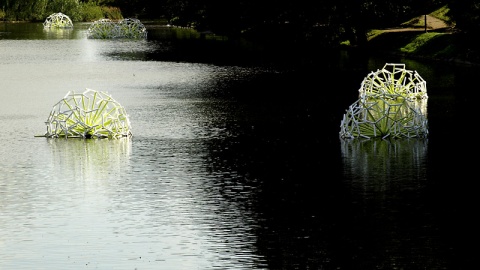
x=376, y=164
x=149, y=202
x=380, y=174
x=91, y=159
x=143, y=202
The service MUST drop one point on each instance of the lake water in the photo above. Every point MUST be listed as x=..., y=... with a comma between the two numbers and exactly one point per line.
x=234, y=163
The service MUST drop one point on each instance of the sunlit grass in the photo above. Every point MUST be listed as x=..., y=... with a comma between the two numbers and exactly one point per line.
x=420, y=41
x=442, y=14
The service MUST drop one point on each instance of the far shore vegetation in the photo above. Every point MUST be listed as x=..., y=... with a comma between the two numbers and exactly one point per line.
x=78, y=11
x=318, y=25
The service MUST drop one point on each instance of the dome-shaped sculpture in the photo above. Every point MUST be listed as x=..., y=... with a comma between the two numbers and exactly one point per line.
x=108, y=29
x=91, y=114
x=132, y=28
x=102, y=29
x=392, y=103
x=58, y=20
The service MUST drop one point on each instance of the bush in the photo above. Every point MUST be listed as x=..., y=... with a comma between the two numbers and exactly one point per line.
x=112, y=13
x=90, y=12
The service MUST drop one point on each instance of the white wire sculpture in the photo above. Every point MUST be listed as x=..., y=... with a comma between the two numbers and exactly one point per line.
x=58, y=20
x=108, y=29
x=392, y=103
x=91, y=114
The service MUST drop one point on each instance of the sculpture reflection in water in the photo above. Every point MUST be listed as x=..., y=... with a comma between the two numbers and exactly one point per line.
x=378, y=165
x=93, y=159
x=58, y=25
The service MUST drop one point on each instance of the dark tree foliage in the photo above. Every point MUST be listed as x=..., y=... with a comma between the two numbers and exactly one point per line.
x=466, y=14
x=267, y=20
x=327, y=21
x=131, y=8
x=189, y=13
x=323, y=22
x=17, y=10
x=298, y=20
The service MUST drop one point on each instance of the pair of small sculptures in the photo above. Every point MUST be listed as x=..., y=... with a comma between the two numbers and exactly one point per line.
x=392, y=103
x=101, y=29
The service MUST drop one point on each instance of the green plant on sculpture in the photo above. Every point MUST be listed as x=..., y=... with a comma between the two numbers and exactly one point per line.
x=102, y=29
x=391, y=104
x=383, y=116
x=394, y=79
x=132, y=28
x=91, y=114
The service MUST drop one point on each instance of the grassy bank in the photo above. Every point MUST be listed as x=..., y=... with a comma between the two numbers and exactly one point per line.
x=440, y=42
x=430, y=45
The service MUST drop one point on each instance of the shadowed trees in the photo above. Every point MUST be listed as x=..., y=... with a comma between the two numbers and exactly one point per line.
x=326, y=21
x=466, y=13
x=321, y=22
x=39, y=10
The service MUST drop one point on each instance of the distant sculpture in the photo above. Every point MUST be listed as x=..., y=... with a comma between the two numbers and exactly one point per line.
x=91, y=114
x=392, y=103
x=58, y=20
x=108, y=29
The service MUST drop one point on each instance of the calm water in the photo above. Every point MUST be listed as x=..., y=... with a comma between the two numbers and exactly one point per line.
x=235, y=163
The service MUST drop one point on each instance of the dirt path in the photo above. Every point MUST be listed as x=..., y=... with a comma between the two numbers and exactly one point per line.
x=433, y=24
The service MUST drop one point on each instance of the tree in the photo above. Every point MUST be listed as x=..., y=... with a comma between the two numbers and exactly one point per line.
x=465, y=13
x=36, y=10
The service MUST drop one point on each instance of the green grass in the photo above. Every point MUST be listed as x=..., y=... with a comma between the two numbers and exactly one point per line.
x=441, y=14
x=419, y=42
x=419, y=22
x=431, y=44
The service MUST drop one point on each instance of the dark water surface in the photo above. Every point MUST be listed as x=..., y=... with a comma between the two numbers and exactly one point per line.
x=235, y=163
